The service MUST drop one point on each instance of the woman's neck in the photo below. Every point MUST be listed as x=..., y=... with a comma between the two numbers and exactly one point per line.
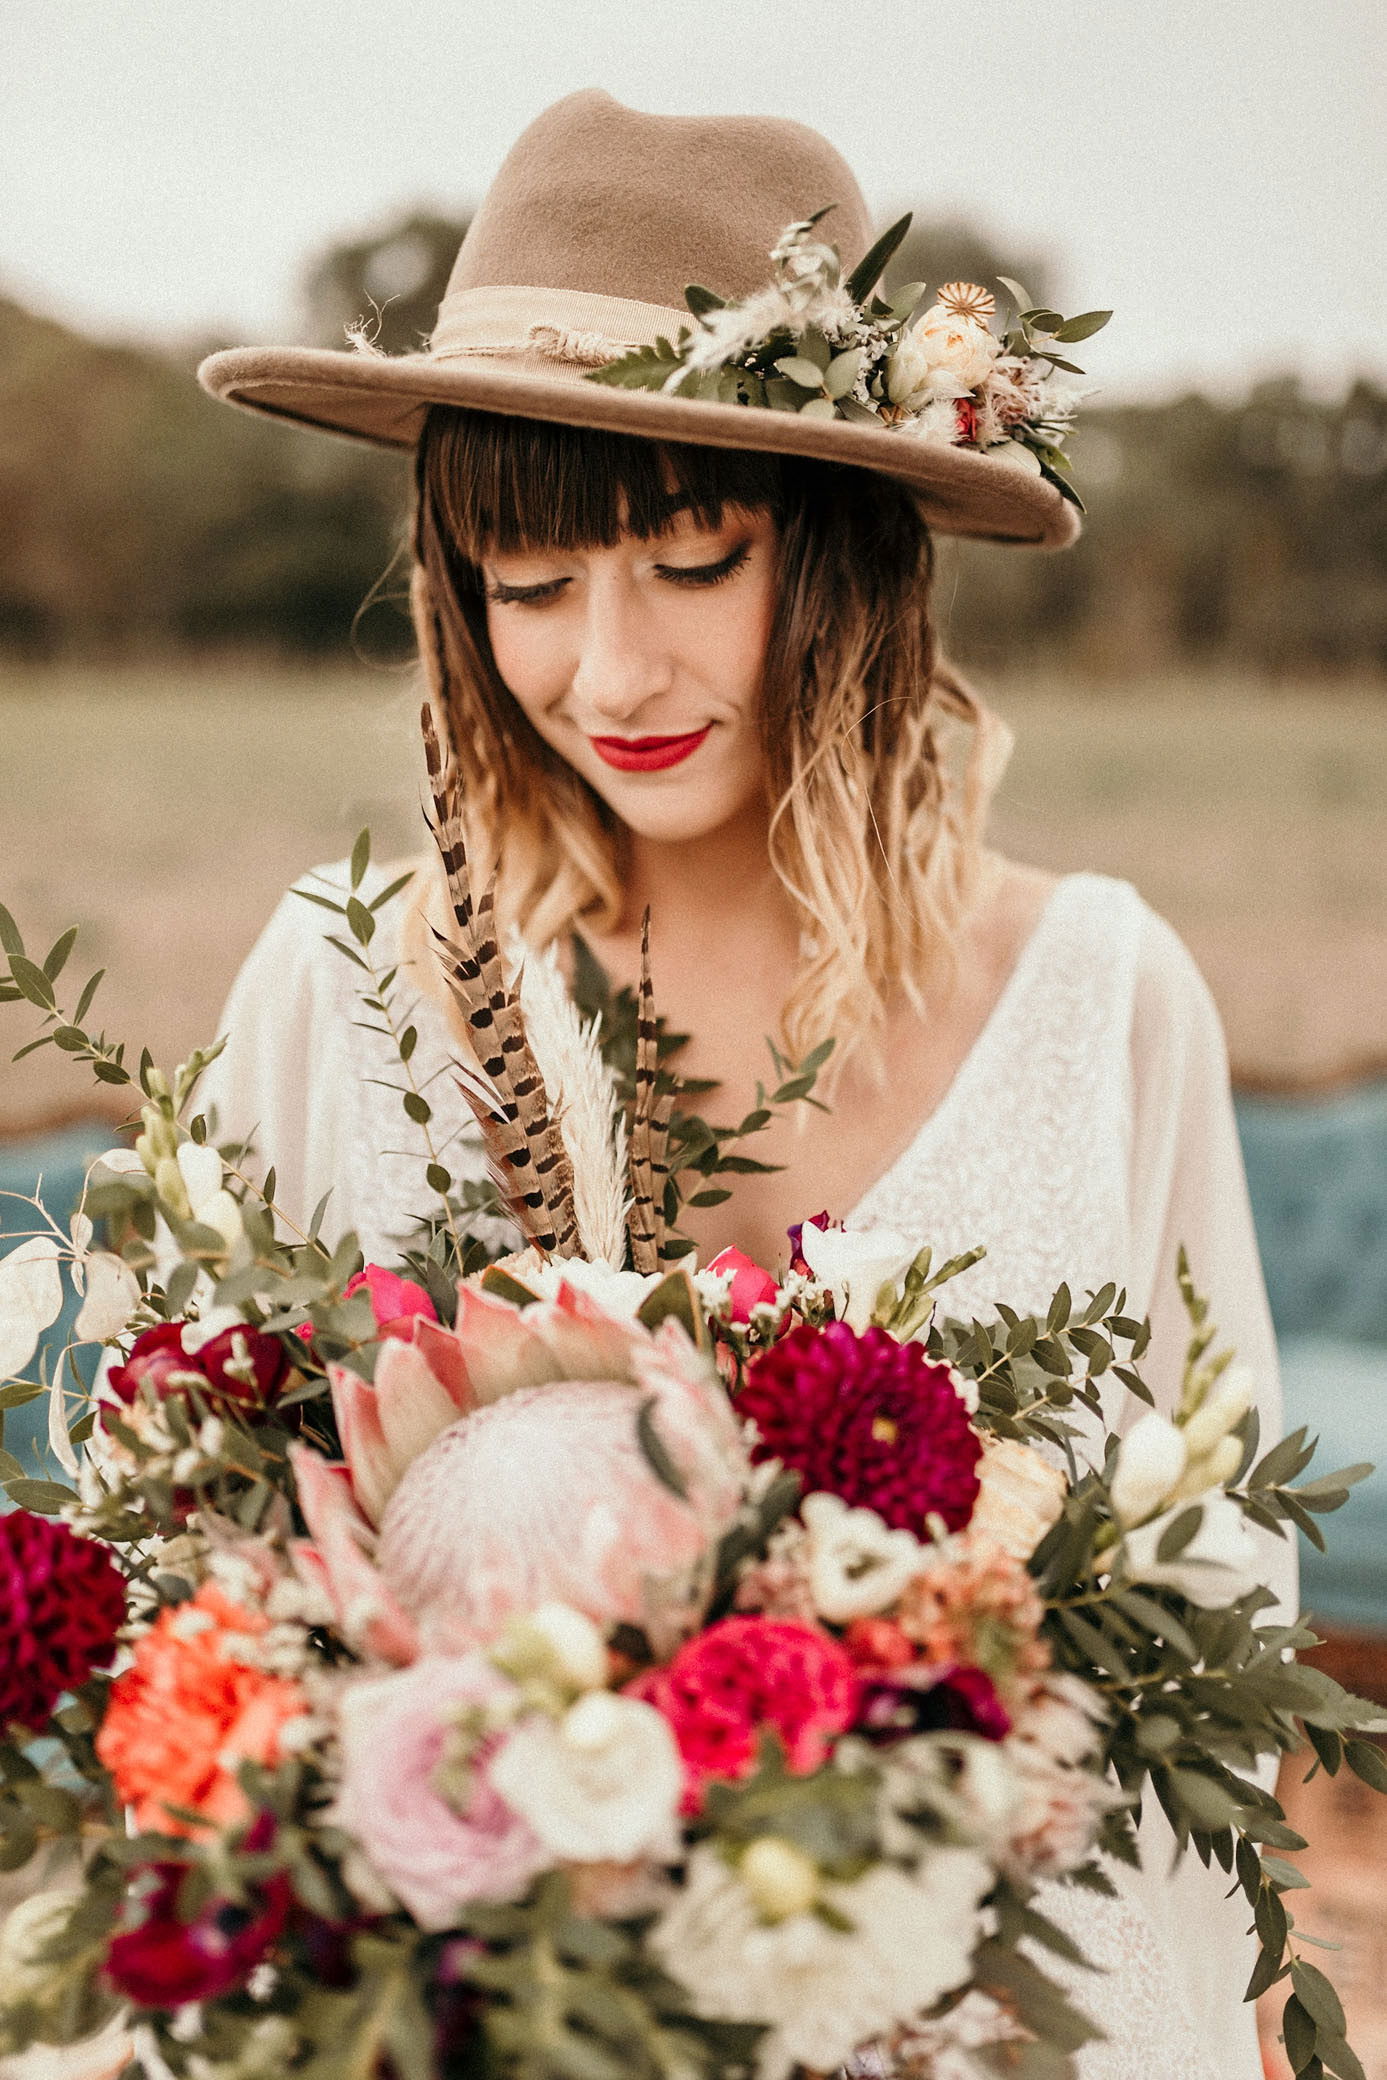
x=713, y=896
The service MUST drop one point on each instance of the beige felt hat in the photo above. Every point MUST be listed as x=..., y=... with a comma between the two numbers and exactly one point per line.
x=598, y=219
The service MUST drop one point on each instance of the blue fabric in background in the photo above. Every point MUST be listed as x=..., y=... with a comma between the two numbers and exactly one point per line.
x=1317, y=1171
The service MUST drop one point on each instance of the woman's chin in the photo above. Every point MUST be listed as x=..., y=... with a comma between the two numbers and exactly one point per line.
x=677, y=814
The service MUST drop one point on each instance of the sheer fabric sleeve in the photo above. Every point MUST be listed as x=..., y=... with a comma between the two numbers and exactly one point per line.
x=268, y=1085
x=1188, y=1187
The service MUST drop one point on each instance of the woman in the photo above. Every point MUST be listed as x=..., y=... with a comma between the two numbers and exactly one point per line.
x=683, y=651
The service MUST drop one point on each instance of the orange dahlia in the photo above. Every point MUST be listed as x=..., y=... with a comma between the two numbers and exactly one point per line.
x=188, y=1712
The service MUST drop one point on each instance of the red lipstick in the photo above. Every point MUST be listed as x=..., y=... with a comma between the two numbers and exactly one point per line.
x=648, y=754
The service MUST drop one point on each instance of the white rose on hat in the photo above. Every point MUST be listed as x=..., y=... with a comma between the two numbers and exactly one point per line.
x=943, y=354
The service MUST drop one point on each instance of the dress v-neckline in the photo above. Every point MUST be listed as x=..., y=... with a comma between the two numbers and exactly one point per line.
x=981, y=1047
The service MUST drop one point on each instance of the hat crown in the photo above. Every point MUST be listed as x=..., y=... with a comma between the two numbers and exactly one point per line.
x=604, y=199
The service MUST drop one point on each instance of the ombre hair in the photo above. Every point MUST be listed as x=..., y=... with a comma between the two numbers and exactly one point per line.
x=880, y=761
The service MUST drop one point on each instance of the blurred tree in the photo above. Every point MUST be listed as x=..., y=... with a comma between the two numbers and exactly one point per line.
x=391, y=281
x=137, y=516
x=936, y=250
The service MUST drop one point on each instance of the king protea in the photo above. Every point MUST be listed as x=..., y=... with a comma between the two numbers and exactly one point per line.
x=497, y=1465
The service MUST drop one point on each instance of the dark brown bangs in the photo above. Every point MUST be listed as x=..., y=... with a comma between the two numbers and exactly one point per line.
x=492, y=482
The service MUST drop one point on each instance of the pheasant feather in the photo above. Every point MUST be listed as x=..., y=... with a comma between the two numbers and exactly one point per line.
x=650, y=1117
x=523, y=1141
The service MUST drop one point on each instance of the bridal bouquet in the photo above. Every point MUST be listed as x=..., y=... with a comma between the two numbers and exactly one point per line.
x=572, y=1663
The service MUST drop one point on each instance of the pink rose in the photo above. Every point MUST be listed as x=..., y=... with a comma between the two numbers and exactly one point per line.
x=743, y=1676
x=751, y=1286
x=395, y=1302
x=417, y=1792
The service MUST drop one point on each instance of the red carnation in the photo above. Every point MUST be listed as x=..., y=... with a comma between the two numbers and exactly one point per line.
x=239, y=1365
x=862, y=1416
x=62, y=1602
x=164, y=1961
x=746, y=1675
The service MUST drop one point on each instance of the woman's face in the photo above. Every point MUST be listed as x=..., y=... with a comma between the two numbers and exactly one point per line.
x=641, y=664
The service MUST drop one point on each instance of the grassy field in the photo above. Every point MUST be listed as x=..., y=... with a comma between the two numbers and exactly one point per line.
x=165, y=811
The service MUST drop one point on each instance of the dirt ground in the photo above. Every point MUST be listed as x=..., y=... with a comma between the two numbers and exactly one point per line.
x=165, y=811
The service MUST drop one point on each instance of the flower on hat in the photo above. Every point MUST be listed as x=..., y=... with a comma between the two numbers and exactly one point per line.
x=874, y=1421
x=62, y=1603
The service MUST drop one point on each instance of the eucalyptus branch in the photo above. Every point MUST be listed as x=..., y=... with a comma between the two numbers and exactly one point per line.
x=360, y=919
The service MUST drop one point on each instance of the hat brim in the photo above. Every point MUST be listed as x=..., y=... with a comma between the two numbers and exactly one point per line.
x=382, y=399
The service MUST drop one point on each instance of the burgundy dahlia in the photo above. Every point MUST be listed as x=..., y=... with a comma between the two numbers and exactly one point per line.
x=239, y=1365
x=899, y=1702
x=62, y=1602
x=164, y=1961
x=862, y=1416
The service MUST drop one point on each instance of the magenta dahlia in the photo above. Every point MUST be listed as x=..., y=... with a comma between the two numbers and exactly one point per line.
x=859, y=1415
x=62, y=1602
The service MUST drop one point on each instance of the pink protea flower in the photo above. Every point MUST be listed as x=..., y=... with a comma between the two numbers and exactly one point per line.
x=861, y=1416
x=744, y=1676
x=497, y=1465
x=62, y=1602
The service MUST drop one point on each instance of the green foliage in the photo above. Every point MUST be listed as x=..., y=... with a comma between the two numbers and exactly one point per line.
x=699, y=1152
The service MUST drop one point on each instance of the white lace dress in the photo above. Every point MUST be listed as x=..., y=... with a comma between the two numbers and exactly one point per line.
x=1088, y=1133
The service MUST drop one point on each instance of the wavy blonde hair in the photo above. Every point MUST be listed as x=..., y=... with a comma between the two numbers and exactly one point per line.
x=880, y=761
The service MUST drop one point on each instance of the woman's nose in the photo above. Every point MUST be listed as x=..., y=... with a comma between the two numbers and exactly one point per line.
x=621, y=664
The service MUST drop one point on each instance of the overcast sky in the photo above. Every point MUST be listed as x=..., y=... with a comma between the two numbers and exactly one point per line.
x=1216, y=170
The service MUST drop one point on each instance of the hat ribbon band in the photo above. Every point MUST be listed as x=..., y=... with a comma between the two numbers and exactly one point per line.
x=562, y=324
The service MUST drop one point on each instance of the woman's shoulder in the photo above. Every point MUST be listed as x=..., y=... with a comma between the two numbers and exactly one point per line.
x=1096, y=938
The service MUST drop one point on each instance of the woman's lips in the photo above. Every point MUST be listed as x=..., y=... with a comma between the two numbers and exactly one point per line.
x=648, y=754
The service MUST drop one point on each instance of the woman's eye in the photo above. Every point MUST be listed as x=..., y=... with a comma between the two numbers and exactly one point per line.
x=524, y=595
x=706, y=573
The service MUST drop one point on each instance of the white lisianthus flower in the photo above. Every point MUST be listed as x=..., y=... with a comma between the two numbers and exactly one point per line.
x=618, y=1292
x=857, y=1564
x=823, y=1990
x=855, y=1264
x=112, y=1294
x=1221, y=1562
x=1150, y=1461
x=31, y=1299
x=601, y=1786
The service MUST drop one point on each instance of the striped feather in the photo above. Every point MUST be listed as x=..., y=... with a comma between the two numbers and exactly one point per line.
x=650, y=1117
x=523, y=1141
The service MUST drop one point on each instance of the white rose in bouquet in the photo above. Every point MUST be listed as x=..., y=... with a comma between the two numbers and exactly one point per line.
x=600, y=1786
